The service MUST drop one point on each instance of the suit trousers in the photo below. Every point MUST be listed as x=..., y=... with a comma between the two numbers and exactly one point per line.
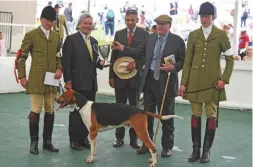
x=152, y=99
x=77, y=129
x=122, y=94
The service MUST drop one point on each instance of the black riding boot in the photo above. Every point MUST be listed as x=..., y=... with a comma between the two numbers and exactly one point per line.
x=34, y=132
x=47, y=132
x=208, y=141
x=196, y=138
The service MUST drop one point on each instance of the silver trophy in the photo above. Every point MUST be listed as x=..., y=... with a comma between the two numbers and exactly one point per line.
x=104, y=51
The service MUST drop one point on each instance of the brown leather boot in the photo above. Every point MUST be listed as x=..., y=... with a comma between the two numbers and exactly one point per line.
x=34, y=132
x=208, y=140
x=47, y=132
x=196, y=138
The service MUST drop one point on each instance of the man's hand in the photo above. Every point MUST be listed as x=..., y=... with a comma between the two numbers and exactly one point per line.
x=131, y=66
x=68, y=85
x=117, y=46
x=168, y=67
x=220, y=84
x=111, y=82
x=23, y=82
x=58, y=74
x=181, y=90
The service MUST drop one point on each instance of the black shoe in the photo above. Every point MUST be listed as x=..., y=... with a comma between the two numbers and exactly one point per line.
x=75, y=146
x=34, y=148
x=47, y=145
x=196, y=138
x=142, y=150
x=118, y=143
x=85, y=144
x=166, y=153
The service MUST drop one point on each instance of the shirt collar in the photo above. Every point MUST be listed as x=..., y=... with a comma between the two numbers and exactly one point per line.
x=164, y=37
x=207, y=29
x=84, y=36
x=44, y=30
x=128, y=30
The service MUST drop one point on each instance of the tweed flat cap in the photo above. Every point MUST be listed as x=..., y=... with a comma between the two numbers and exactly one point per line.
x=163, y=19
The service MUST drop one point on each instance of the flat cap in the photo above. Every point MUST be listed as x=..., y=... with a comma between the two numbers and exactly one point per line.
x=163, y=19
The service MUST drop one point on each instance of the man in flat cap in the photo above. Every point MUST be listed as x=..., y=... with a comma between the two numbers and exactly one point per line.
x=202, y=81
x=156, y=49
x=44, y=47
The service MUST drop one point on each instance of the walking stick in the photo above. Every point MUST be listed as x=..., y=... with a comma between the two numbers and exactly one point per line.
x=161, y=109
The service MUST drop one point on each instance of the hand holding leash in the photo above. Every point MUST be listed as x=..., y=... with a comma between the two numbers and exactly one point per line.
x=68, y=85
x=220, y=84
x=111, y=82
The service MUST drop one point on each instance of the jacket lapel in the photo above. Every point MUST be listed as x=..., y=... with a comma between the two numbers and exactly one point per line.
x=42, y=34
x=212, y=35
x=151, y=47
x=200, y=34
x=125, y=37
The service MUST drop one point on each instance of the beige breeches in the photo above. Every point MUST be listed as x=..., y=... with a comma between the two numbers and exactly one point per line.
x=37, y=102
x=210, y=109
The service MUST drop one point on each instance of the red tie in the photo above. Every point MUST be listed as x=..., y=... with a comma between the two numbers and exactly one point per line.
x=130, y=38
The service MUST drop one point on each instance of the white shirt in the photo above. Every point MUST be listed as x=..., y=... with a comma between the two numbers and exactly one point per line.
x=207, y=31
x=3, y=52
x=46, y=32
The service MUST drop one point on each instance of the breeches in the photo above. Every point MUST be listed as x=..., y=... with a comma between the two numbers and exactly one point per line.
x=210, y=109
x=37, y=102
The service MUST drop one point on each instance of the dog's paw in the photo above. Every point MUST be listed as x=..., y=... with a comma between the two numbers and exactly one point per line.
x=90, y=160
x=150, y=160
x=153, y=165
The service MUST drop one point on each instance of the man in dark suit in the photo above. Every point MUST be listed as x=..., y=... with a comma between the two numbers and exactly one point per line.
x=155, y=75
x=80, y=60
x=128, y=88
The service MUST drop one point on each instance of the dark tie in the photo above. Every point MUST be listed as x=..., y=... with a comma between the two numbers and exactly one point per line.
x=57, y=21
x=130, y=37
x=158, y=55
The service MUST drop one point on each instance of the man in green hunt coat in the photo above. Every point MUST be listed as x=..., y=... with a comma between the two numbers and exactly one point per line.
x=44, y=46
x=202, y=81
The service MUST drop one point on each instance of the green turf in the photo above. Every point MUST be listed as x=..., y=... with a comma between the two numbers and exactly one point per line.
x=233, y=140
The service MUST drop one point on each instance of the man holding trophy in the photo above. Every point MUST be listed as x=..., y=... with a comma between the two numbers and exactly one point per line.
x=165, y=54
x=80, y=60
x=125, y=71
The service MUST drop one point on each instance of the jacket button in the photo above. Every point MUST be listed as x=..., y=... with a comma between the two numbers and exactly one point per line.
x=203, y=65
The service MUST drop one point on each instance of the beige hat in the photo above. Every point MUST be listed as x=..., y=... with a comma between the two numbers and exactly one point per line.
x=120, y=68
x=163, y=19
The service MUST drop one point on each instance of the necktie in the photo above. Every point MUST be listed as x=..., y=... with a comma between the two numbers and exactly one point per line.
x=130, y=37
x=89, y=46
x=158, y=55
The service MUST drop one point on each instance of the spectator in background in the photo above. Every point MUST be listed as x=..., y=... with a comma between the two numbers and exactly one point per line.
x=3, y=52
x=109, y=24
x=69, y=18
x=153, y=29
x=249, y=53
x=49, y=3
x=243, y=43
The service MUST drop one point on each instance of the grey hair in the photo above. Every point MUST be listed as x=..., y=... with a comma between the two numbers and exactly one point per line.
x=83, y=17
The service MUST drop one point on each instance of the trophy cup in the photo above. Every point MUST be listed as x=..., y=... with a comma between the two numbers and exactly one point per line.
x=104, y=51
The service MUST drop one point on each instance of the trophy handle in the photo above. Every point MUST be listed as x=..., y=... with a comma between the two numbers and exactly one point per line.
x=95, y=47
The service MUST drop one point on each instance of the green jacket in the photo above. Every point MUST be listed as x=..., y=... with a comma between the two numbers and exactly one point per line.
x=45, y=54
x=202, y=69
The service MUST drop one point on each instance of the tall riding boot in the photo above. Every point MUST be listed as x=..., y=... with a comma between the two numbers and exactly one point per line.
x=208, y=141
x=34, y=132
x=196, y=138
x=47, y=132
x=133, y=139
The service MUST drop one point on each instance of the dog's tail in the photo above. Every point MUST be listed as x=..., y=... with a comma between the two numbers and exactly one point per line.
x=162, y=117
